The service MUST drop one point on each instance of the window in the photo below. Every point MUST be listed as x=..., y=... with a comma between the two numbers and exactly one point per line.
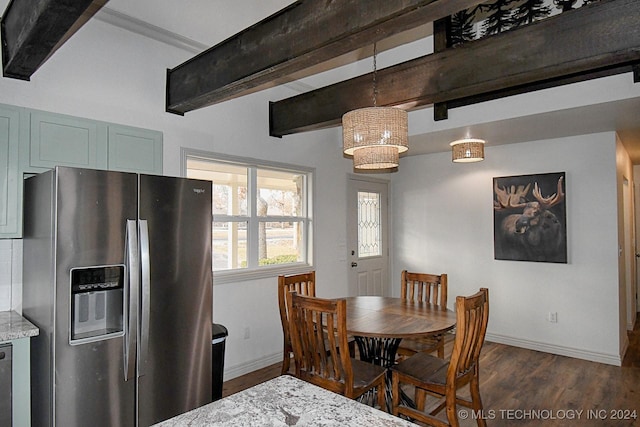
x=261, y=213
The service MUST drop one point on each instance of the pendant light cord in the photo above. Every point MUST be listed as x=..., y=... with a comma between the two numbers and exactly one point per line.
x=375, y=72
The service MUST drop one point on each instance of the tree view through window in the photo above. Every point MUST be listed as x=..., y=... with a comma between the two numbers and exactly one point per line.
x=260, y=213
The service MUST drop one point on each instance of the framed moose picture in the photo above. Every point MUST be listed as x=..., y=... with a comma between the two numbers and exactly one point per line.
x=529, y=218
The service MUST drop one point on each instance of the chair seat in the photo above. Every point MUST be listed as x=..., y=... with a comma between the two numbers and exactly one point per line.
x=424, y=368
x=365, y=373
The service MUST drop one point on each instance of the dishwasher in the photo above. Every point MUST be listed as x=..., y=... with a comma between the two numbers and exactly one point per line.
x=5, y=385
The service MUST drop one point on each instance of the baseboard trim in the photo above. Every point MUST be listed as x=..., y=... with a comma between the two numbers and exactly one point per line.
x=235, y=371
x=609, y=359
x=232, y=372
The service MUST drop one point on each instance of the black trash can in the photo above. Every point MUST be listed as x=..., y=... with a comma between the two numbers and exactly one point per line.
x=219, y=336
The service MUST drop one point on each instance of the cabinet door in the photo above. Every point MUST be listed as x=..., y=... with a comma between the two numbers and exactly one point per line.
x=10, y=179
x=66, y=141
x=134, y=150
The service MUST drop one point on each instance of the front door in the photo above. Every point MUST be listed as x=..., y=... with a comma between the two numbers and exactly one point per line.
x=367, y=237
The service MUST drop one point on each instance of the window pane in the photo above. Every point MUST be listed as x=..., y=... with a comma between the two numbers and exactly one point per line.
x=229, y=245
x=229, y=185
x=246, y=234
x=280, y=242
x=369, y=230
x=279, y=193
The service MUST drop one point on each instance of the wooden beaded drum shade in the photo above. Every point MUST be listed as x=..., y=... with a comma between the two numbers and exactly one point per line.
x=375, y=136
x=467, y=150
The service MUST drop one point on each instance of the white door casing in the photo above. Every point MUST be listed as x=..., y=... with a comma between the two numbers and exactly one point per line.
x=636, y=249
x=629, y=253
x=368, y=237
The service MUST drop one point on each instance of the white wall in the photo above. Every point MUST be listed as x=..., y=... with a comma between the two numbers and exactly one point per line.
x=443, y=223
x=108, y=74
x=442, y=212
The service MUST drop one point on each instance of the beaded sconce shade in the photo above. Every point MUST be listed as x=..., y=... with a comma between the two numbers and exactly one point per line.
x=375, y=136
x=467, y=150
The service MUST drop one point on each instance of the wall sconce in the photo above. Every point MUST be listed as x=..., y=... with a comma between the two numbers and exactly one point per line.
x=467, y=150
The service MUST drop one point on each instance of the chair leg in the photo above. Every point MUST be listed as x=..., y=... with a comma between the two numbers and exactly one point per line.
x=286, y=359
x=452, y=413
x=395, y=393
x=382, y=401
x=474, y=388
x=441, y=348
x=352, y=349
x=420, y=399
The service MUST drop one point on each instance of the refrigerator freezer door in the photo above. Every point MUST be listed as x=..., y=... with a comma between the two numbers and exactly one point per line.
x=92, y=210
x=177, y=369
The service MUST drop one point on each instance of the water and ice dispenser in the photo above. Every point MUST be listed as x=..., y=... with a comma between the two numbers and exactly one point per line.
x=97, y=303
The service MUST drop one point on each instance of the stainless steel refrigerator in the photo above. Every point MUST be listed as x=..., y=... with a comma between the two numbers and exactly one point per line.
x=117, y=275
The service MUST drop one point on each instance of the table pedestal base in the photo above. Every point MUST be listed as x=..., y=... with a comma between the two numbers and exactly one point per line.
x=382, y=352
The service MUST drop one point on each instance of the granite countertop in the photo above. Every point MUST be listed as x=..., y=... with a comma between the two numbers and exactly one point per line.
x=13, y=327
x=285, y=401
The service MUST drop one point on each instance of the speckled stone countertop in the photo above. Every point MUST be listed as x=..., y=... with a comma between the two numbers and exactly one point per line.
x=13, y=326
x=285, y=401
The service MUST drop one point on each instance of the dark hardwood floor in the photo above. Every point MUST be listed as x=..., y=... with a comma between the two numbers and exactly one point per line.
x=522, y=387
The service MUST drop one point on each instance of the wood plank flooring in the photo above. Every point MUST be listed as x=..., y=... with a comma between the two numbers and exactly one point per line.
x=522, y=387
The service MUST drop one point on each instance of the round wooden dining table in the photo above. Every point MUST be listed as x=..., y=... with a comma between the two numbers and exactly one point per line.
x=386, y=317
x=378, y=325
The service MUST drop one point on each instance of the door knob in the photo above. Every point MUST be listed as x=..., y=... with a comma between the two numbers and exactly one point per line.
x=354, y=264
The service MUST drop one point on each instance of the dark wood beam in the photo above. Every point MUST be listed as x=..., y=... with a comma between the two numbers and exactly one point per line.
x=298, y=37
x=441, y=42
x=32, y=30
x=600, y=39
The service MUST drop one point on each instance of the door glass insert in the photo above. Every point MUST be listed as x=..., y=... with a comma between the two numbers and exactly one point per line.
x=369, y=227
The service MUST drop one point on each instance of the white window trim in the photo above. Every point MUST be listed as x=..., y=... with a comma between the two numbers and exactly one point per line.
x=245, y=274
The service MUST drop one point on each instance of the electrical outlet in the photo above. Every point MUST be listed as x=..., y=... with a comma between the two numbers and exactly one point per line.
x=247, y=333
x=552, y=317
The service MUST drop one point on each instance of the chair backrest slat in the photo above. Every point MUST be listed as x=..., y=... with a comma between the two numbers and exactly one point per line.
x=319, y=339
x=430, y=288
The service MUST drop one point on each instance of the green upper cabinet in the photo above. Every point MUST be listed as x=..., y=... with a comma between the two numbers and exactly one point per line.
x=59, y=140
x=10, y=176
x=33, y=141
x=134, y=150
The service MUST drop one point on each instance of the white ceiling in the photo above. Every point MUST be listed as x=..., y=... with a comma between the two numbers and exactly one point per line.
x=205, y=21
x=198, y=24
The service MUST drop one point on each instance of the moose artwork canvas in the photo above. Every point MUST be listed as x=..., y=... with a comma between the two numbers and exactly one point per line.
x=529, y=213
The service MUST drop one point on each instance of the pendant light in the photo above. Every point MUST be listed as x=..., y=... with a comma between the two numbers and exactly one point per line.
x=467, y=150
x=375, y=136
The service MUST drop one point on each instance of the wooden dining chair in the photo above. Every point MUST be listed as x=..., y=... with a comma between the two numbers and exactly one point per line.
x=429, y=288
x=321, y=349
x=303, y=284
x=432, y=375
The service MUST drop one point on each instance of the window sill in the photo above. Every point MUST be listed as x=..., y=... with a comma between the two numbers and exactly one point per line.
x=232, y=276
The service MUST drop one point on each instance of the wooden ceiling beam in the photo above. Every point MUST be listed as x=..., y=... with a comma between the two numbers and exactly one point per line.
x=592, y=41
x=32, y=30
x=298, y=37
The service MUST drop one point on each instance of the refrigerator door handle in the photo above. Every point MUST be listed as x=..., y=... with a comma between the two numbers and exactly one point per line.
x=146, y=296
x=133, y=278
